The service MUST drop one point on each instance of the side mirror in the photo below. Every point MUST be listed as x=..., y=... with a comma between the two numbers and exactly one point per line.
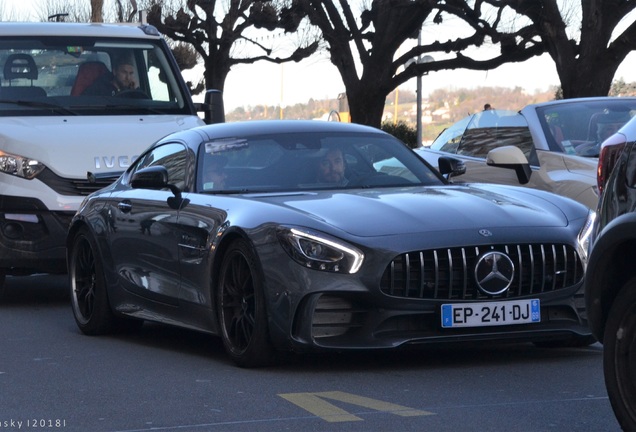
x=212, y=107
x=511, y=157
x=451, y=167
x=154, y=177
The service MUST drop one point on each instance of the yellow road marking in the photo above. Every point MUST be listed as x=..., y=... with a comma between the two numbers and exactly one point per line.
x=315, y=404
x=318, y=407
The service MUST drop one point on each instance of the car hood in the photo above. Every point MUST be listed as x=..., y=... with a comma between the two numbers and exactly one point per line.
x=400, y=211
x=71, y=146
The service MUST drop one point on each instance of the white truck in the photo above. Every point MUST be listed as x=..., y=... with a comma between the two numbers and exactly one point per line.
x=53, y=131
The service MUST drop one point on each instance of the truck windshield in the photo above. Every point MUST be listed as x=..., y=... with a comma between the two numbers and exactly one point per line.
x=88, y=76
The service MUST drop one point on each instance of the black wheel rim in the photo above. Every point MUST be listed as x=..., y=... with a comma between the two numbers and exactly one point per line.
x=84, y=280
x=237, y=303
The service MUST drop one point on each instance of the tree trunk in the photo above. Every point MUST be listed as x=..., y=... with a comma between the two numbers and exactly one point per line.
x=366, y=107
x=97, y=10
x=577, y=81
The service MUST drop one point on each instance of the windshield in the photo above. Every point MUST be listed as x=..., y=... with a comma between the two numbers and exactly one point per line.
x=87, y=76
x=580, y=127
x=305, y=161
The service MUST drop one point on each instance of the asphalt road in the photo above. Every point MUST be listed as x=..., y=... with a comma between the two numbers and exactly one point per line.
x=164, y=379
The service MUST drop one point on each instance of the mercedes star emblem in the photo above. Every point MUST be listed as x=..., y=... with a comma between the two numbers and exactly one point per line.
x=494, y=272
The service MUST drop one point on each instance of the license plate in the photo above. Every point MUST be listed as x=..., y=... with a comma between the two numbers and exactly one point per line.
x=491, y=313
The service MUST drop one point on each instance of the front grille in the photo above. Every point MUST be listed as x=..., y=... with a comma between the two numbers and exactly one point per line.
x=448, y=274
x=65, y=186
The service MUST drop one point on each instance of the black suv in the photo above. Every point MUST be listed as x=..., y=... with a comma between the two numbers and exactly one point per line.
x=610, y=287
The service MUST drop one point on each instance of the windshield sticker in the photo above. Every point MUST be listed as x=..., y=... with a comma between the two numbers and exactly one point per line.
x=225, y=145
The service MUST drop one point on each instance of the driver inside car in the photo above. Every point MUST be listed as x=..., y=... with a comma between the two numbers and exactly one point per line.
x=122, y=78
x=331, y=168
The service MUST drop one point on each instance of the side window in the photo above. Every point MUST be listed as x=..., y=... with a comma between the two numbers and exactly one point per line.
x=449, y=139
x=173, y=156
x=630, y=169
x=158, y=87
x=478, y=142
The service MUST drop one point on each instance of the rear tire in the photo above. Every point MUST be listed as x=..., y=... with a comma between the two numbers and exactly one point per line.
x=619, y=356
x=241, y=308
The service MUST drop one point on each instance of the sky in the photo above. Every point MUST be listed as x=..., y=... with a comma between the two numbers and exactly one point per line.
x=317, y=78
x=291, y=83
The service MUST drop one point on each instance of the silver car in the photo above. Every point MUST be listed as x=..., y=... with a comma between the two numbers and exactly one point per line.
x=560, y=142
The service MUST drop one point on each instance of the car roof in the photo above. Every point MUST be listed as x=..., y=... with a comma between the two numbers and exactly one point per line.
x=124, y=30
x=264, y=127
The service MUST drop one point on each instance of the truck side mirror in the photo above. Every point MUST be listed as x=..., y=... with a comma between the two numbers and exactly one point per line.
x=212, y=107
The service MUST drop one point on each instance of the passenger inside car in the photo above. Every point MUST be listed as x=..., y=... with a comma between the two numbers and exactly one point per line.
x=214, y=175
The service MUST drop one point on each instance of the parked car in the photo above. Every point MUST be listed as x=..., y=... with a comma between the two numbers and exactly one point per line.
x=610, y=286
x=559, y=139
x=296, y=236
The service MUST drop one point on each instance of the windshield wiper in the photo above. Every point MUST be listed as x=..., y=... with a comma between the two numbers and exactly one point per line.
x=34, y=104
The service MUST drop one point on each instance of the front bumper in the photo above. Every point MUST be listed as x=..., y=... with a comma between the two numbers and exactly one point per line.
x=345, y=321
x=32, y=238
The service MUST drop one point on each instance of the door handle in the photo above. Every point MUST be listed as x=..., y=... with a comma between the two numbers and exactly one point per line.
x=125, y=206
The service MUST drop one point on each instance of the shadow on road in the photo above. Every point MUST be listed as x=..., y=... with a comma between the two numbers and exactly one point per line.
x=35, y=289
x=169, y=338
x=45, y=290
x=190, y=342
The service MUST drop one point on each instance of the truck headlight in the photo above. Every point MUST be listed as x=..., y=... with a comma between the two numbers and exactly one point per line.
x=19, y=165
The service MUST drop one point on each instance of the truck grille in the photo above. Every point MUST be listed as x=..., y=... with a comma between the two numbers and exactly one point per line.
x=65, y=186
x=449, y=274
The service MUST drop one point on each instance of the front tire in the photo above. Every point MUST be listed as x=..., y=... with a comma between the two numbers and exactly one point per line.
x=619, y=356
x=241, y=308
x=89, y=298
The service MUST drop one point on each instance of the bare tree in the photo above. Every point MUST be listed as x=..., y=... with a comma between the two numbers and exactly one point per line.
x=93, y=11
x=581, y=39
x=63, y=10
x=126, y=10
x=366, y=49
x=7, y=14
x=216, y=29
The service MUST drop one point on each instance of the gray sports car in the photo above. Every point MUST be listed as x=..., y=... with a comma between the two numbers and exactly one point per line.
x=295, y=236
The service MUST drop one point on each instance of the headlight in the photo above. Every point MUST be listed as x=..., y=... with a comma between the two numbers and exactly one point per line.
x=584, y=237
x=317, y=251
x=19, y=165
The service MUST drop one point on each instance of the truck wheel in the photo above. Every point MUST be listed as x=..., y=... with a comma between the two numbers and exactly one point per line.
x=619, y=356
